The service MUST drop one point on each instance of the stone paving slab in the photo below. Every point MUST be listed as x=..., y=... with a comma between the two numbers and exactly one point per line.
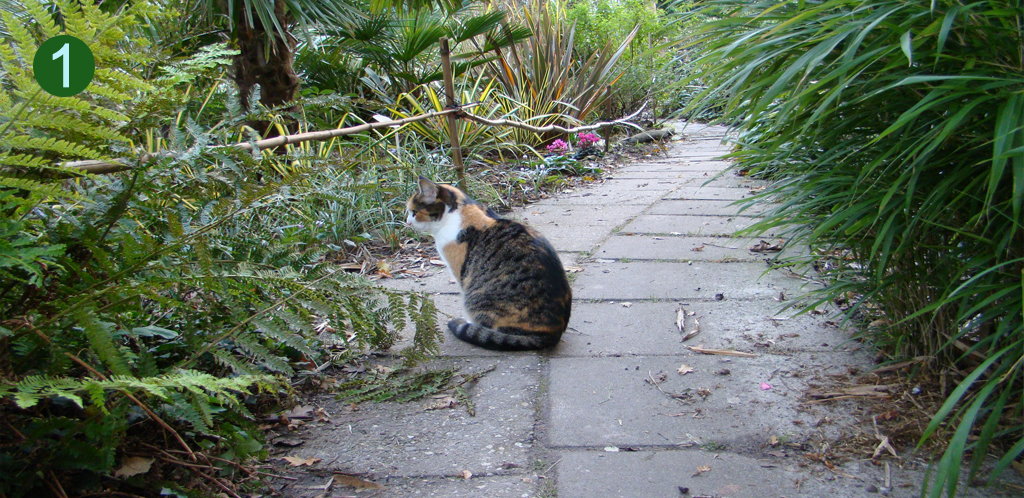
x=690, y=225
x=649, y=328
x=680, y=248
x=640, y=184
x=605, y=196
x=699, y=280
x=577, y=216
x=660, y=474
x=597, y=402
x=706, y=207
x=405, y=440
x=709, y=193
x=510, y=486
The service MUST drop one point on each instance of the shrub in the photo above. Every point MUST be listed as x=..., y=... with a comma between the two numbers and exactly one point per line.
x=161, y=296
x=644, y=65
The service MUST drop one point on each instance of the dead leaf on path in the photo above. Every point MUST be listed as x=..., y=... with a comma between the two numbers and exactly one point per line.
x=702, y=469
x=684, y=369
x=299, y=412
x=299, y=462
x=356, y=482
x=442, y=402
x=773, y=441
x=656, y=379
x=466, y=474
x=695, y=331
x=697, y=249
x=885, y=444
x=437, y=262
x=627, y=305
x=288, y=442
x=681, y=320
x=133, y=466
x=765, y=246
x=321, y=415
x=1018, y=466
x=573, y=269
x=384, y=269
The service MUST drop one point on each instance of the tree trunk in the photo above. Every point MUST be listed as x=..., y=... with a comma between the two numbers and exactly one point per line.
x=273, y=70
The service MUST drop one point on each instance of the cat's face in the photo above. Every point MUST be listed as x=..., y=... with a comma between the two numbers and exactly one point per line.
x=432, y=205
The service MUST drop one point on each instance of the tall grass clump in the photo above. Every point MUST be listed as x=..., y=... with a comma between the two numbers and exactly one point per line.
x=895, y=131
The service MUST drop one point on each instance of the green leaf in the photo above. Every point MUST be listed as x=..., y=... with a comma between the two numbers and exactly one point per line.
x=154, y=331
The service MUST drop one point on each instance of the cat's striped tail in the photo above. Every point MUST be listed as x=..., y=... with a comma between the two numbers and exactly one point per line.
x=507, y=339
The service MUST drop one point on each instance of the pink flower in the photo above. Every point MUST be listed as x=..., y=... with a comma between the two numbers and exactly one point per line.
x=558, y=147
x=587, y=139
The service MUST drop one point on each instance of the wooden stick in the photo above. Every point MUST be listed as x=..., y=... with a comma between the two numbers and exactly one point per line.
x=608, y=114
x=453, y=128
x=549, y=128
x=727, y=352
x=104, y=167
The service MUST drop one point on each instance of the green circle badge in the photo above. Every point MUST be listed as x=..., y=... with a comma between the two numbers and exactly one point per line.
x=64, y=66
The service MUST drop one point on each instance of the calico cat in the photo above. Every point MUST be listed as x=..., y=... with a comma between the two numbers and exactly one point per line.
x=514, y=290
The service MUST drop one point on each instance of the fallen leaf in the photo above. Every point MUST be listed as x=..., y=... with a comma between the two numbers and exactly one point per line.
x=133, y=466
x=697, y=249
x=627, y=305
x=437, y=262
x=299, y=412
x=656, y=379
x=573, y=269
x=773, y=441
x=1018, y=466
x=695, y=331
x=298, y=462
x=442, y=402
x=684, y=369
x=680, y=320
x=288, y=442
x=466, y=474
x=355, y=482
x=702, y=469
x=764, y=246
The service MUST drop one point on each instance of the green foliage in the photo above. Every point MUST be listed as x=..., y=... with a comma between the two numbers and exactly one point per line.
x=644, y=65
x=403, y=385
x=896, y=133
x=167, y=290
x=476, y=140
x=543, y=82
x=396, y=49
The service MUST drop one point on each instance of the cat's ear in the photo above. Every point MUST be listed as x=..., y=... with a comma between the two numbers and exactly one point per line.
x=428, y=191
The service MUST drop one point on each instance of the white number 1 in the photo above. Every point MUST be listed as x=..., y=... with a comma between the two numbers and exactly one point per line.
x=63, y=52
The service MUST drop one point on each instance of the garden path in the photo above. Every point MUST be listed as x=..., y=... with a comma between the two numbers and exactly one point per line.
x=608, y=412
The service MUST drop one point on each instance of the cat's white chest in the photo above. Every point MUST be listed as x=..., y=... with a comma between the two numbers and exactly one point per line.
x=446, y=231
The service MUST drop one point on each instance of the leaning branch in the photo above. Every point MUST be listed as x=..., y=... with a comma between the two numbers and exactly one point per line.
x=551, y=128
x=104, y=167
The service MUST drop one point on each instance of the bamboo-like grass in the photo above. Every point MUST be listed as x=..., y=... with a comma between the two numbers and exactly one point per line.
x=895, y=131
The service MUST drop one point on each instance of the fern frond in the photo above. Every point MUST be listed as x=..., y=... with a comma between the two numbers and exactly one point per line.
x=101, y=339
x=62, y=147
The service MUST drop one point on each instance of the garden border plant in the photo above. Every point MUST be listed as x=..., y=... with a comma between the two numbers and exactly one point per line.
x=894, y=131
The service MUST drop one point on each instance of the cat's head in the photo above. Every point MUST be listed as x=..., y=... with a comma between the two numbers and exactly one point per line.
x=429, y=206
